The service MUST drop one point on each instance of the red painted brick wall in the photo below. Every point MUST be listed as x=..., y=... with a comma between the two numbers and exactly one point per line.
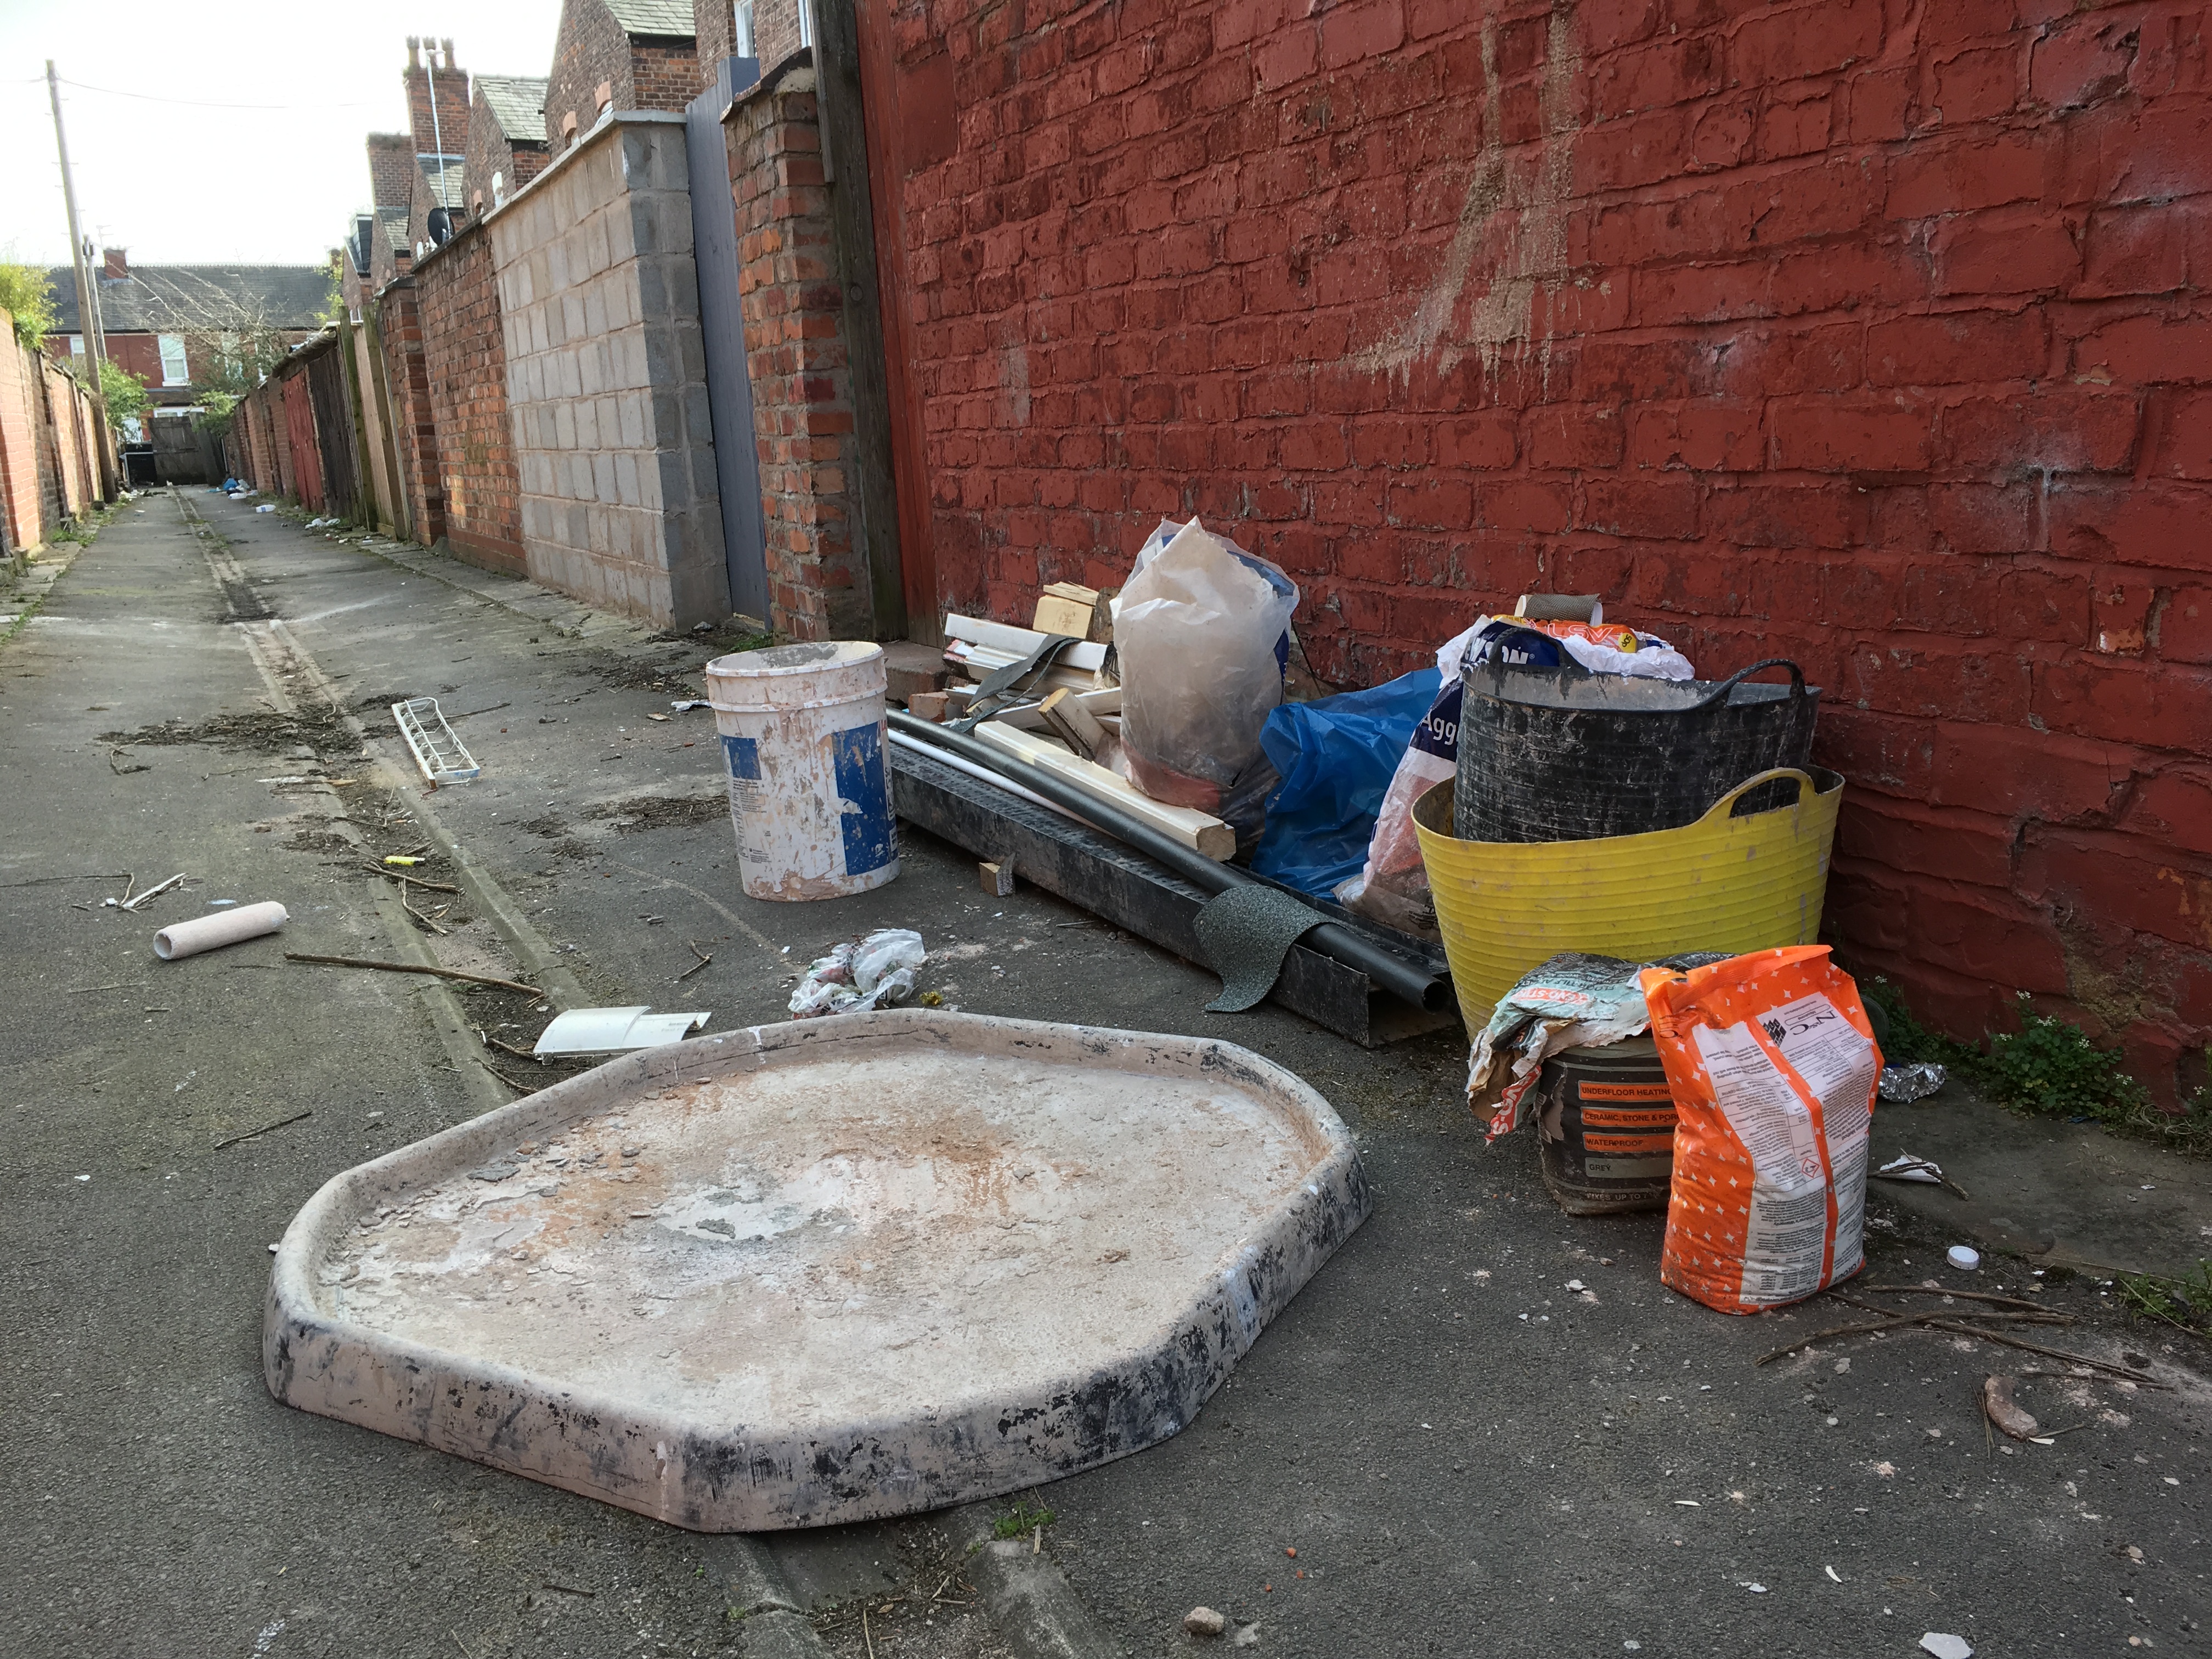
x=1869, y=332
x=465, y=361
x=413, y=428
x=795, y=352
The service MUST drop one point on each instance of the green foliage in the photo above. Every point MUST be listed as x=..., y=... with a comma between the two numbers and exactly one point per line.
x=1910, y=1041
x=2184, y=1303
x=333, y=309
x=25, y=294
x=2051, y=1068
x=125, y=392
x=1021, y=1522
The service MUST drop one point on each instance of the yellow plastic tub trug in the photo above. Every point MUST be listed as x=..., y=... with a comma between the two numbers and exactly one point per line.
x=1721, y=884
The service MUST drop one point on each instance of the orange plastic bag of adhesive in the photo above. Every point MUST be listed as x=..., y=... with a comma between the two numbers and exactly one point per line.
x=1773, y=1067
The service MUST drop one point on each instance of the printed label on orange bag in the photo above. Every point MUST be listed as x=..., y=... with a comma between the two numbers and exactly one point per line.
x=1773, y=1067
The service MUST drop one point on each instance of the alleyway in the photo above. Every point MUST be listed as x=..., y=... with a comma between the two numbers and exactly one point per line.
x=1483, y=1429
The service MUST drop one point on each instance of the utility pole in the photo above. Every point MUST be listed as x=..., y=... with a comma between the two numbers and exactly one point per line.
x=87, y=294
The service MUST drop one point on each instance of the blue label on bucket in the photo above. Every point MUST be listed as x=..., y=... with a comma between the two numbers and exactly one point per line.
x=742, y=754
x=871, y=837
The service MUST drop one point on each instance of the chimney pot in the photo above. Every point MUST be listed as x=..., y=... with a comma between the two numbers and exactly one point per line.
x=115, y=267
x=448, y=44
x=414, y=53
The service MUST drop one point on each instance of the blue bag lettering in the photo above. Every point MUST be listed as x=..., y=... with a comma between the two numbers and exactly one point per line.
x=865, y=804
x=742, y=756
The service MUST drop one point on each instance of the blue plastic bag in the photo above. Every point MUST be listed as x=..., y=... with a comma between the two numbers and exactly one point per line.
x=1336, y=756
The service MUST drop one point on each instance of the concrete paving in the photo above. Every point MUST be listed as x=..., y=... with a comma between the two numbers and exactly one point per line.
x=1468, y=1454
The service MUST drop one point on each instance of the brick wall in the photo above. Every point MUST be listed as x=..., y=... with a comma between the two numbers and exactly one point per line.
x=591, y=50
x=1869, y=333
x=21, y=514
x=713, y=34
x=796, y=356
x=464, y=358
x=775, y=30
x=606, y=377
x=413, y=428
x=491, y=153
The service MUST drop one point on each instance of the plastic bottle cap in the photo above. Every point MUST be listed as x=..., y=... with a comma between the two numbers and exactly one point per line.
x=1966, y=1257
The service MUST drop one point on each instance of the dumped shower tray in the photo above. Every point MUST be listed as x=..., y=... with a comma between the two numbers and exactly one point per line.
x=821, y=1271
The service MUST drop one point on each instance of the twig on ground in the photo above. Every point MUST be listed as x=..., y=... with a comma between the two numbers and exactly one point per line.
x=42, y=881
x=519, y=1088
x=530, y=991
x=506, y=1048
x=1964, y=1296
x=865, y=1635
x=419, y=916
x=2141, y=1379
x=233, y=1140
x=705, y=956
x=1841, y=1330
x=404, y=879
x=2027, y=1313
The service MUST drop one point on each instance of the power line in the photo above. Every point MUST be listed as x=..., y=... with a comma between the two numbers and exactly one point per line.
x=195, y=103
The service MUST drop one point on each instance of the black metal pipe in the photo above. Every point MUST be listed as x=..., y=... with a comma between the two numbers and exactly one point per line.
x=1403, y=979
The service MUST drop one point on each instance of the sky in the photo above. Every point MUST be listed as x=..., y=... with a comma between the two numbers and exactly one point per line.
x=176, y=172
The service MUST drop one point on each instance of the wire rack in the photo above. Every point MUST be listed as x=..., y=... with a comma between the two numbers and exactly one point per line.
x=442, y=756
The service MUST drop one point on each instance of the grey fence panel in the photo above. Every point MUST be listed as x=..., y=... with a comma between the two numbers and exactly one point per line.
x=722, y=322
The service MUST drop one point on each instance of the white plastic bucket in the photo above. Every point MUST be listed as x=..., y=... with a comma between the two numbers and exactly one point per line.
x=804, y=744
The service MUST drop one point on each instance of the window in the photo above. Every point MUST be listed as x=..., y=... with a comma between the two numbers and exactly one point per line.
x=76, y=345
x=744, y=42
x=173, y=370
x=498, y=189
x=805, y=23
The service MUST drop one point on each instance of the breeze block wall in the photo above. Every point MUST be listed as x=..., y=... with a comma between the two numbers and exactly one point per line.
x=1869, y=333
x=796, y=355
x=464, y=369
x=606, y=377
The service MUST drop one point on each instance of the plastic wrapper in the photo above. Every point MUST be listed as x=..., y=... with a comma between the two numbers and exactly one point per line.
x=1201, y=636
x=877, y=971
x=1772, y=1066
x=1574, y=1001
x=1902, y=1085
x=1599, y=647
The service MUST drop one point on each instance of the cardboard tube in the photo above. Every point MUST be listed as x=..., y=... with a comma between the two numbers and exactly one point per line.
x=189, y=938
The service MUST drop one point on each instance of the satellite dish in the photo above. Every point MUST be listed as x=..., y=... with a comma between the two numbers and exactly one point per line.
x=441, y=227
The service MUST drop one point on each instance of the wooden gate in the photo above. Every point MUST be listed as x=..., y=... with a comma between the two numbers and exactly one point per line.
x=722, y=326
x=333, y=406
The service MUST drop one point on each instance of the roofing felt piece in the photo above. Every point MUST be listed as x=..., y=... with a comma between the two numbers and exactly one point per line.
x=821, y=1271
x=668, y=18
x=516, y=102
x=182, y=299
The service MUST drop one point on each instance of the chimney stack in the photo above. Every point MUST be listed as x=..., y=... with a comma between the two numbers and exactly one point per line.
x=448, y=44
x=114, y=266
x=414, y=53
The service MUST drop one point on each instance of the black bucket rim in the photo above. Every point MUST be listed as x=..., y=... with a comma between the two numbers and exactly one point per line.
x=1734, y=691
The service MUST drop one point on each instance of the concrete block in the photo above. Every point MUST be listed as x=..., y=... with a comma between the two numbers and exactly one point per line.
x=586, y=419
x=626, y=479
x=603, y=477
x=634, y=424
x=673, y=469
x=595, y=310
x=564, y=426
x=653, y=301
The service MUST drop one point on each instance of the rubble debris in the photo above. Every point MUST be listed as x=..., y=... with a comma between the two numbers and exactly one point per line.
x=1199, y=830
x=151, y=893
x=1944, y=1645
x=927, y=705
x=1902, y=1085
x=1070, y=609
x=1998, y=1406
x=1074, y=724
x=997, y=876
x=1204, y=1621
x=189, y=938
x=1906, y=1167
x=614, y=1031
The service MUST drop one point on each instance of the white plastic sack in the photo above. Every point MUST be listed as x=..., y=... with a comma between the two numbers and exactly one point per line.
x=1200, y=634
x=877, y=970
x=1393, y=887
